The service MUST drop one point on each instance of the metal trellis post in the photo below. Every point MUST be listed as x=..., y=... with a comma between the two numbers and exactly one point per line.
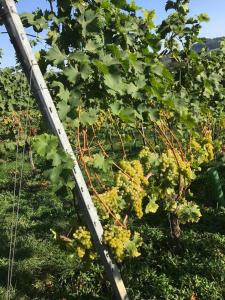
x=24, y=51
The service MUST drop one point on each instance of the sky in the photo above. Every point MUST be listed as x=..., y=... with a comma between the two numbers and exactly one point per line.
x=215, y=28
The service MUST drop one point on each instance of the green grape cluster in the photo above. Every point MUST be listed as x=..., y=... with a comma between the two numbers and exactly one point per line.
x=185, y=167
x=83, y=243
x=117, y=238
x=169, y=168
x=109, y=200
x=149, y=160
x=170, y=176
x=102, y=118
x=173, y=165
x=131, y=184
x=202, y=151
x=208, y=144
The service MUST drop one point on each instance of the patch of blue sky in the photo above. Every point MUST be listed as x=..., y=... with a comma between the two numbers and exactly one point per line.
x=215, y=28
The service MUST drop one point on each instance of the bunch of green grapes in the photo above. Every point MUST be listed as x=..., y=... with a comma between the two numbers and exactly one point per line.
x=208, y=144
x=184, y=166
x=117, y=238
x=173, y=165
x=149, y=160
x=109, y=200
x=102, y=118
x=171, y=173
x=83, y=243
x=130, y=182
x=202, y=151
x=169, y=169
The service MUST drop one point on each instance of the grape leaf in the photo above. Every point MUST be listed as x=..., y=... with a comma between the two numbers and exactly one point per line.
x=152, y=206
x=55, y=55
x=72, y=74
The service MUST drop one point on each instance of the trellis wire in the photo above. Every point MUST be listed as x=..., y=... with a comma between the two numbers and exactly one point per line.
x=16, y=199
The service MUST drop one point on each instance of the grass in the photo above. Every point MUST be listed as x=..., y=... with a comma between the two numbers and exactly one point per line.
x=43, y=268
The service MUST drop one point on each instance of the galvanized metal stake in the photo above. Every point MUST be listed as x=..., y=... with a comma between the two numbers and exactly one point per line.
x=24, y=51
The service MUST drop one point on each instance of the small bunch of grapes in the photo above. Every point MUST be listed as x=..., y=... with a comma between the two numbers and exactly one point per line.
x=83, y=243
x=169, y=167
x=109, y=200
x=149, y=159
x=202, y=151
x=130, y=182
x=208, y=143
x=102, y=118
x=173, y=165
x=117, y=238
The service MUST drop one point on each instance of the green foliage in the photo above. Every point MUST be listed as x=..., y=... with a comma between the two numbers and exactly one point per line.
x=42, y=267
x=110, y=83
x=13, y=97
x=14, y=102
x=47, y=147
x=44, y=270
x=143, y=131
x=163, y=275
x=103, y=56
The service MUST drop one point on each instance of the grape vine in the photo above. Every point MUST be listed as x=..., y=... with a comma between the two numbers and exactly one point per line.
x=143, y=129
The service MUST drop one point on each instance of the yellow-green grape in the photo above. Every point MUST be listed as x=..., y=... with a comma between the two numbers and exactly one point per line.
x=144, y=156
x=186, y=170
x=207, y=135
x=173, y=164
x=92, y=255
x=83, y=242
x=208, y=144
x=135, y=170
x=117, y=238
x=112, y=201
x=130, y=184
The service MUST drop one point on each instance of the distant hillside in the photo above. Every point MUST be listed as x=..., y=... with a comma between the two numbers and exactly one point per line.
x=212, y=44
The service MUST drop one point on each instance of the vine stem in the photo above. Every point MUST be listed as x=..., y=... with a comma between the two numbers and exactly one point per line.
x=180, y=191
x=169, y=143
x=89, y=153
x=178, y=142
x=145, y=139
x=117, y=221
x=120, y=138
